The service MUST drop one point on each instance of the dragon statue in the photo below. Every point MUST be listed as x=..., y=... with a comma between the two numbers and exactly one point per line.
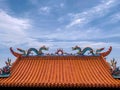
x=5, y=71
x=114, y=69
x=28, y=52
x=97, y=52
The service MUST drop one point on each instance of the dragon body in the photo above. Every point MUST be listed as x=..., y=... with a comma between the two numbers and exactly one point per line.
x=28, y=52
x=93, y=52
x=82, y=52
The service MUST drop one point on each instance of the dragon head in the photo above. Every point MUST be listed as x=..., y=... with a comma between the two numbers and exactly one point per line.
x=75, y=48
x=44, y=47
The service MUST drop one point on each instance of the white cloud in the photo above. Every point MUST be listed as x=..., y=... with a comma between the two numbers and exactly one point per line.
x=75, y=22
x=44, y=10
x=73, y=34
x=9, y=22
x=115, y=18
x=109, y=2
x=91, y=14
x=13, y=31
x=111, y=35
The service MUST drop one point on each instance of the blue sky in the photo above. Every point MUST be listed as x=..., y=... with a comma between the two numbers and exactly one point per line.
x=59, y=24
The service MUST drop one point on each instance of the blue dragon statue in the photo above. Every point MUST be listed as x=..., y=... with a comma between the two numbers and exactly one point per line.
x=82, y=52
x=28, y=52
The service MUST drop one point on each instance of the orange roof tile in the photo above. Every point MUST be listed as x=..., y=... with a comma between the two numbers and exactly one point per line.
x=60, y=71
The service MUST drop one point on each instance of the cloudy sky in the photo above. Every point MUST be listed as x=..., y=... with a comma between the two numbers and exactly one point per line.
x=59, y=24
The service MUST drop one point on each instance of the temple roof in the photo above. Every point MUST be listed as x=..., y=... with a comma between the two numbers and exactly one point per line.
x=60, y=71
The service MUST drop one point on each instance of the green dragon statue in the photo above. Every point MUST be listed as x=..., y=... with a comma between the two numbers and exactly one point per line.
x=82, y=52
x=38, y=52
